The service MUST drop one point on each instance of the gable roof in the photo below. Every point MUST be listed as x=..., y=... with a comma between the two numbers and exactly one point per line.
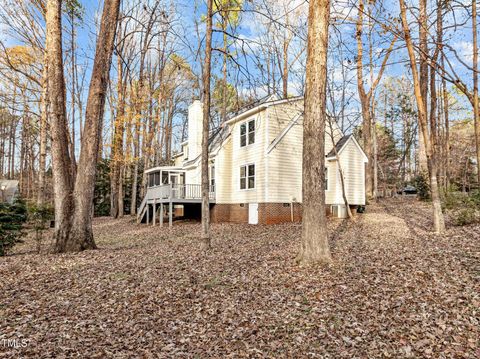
x=260, y=106
x=342, y=143
x=339, y=145
x=253, y=104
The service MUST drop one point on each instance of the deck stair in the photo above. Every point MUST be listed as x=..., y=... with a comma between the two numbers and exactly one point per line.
x=157, y=197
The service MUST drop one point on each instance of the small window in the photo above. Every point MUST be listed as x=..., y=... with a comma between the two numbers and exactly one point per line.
x=247, y=133
x=247, y=177
x=212, y=178
x=326, y=179
x=157, y=178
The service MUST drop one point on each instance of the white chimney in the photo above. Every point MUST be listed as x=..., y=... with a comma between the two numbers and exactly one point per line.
x=195, y=122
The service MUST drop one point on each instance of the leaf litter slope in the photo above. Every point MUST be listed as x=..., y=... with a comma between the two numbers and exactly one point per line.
x=394, y=290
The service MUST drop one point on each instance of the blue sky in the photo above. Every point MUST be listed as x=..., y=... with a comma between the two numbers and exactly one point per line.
x=249, y=29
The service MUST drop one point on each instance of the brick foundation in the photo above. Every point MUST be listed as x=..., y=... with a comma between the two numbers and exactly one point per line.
x=234, y=213
x=268, y=213
x=272, y=213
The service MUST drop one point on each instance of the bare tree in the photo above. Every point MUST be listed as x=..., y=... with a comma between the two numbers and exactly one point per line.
x=82, y=235
x=62, y=178
x=314, y=244
x=73, y=202
x=367, y=100
x=205, y=129
x=439, y=222
x=476, y=113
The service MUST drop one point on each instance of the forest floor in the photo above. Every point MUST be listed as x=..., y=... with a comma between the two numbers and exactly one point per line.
x=394, y=290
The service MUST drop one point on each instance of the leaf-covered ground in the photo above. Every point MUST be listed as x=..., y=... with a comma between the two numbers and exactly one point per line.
x=394, y=290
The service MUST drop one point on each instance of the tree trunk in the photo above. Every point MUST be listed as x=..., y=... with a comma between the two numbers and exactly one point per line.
x=375, y=158
x=73, y=69
x=285, y=67
x=62, y=179
x=206, y=241
x=224, y=72
x=43, y=137
x=423, y=46
x=476, y=114
x=2, y=145
x=121, y=195
x=82, y=235
x=438, y=219
x=446, y=143
x=433, y=92
x=365, y=105
x=314, y=245
x=367, y=99
x=117, y=150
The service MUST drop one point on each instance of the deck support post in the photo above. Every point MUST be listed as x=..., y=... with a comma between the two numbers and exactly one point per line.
x=161, y=214
x=170, y=214
x=148, y=213
x=154, y=211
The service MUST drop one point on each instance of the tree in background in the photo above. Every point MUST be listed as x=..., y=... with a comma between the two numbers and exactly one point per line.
x=367, y=98
x=229, y=17
x=438, y=219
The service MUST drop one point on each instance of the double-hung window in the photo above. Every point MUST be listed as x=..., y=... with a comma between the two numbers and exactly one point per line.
x=247, y=177
x=247, y=133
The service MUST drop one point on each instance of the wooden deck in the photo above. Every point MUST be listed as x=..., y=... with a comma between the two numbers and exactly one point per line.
x=171, y=194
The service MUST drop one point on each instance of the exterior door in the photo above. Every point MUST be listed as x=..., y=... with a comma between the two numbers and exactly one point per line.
x=174, y=183
x=253, y=213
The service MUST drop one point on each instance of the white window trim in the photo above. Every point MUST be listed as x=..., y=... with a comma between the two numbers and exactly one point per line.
x=326, y=181
x=212, y=174
x=246, y=178
x=246, y=123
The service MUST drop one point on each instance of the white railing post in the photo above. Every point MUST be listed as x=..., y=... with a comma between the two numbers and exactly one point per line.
x=161, y=214
x=154, y=211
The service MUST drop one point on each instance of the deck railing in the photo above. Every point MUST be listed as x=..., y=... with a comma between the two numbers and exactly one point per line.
x=173, y=191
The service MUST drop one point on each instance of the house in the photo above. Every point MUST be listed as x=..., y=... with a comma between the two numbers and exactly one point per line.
x=255, y=168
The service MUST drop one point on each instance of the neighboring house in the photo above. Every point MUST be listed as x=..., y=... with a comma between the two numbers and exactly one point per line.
x=8, y=190
x=255, y=168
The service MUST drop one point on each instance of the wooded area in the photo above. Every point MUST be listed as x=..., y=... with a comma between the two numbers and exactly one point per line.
x=404, y=115
x=94, y=94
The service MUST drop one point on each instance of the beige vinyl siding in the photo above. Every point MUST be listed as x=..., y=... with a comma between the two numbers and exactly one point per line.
x=331, y=192
x=194, y=175
x=284, y=162
x=250, y=154
x=353, y=166
x=178, y=162
x=223, y=173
